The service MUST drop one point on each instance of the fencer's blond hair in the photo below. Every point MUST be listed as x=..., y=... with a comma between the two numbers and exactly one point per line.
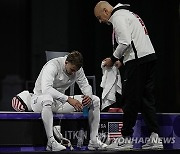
x=75, y=58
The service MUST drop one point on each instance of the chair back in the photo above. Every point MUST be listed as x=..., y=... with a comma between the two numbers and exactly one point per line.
x=54, y=54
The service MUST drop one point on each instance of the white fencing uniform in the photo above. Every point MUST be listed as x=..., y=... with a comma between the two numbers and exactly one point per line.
x=52, y=83
x=49, y=95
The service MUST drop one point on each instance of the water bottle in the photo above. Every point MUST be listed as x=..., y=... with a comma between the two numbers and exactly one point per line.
x=85, y=111
x=80, y=138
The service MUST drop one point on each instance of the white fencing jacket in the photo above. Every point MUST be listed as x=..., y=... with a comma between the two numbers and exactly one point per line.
x=111, y=83
x=54, y=81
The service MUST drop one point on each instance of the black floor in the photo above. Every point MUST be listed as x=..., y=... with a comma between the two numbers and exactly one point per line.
x=175, y=151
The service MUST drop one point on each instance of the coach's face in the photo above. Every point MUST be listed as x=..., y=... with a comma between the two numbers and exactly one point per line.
x=70, y=68
x=102, y=15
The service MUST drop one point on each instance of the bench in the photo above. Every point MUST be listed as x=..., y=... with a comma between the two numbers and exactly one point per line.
x=26, y=130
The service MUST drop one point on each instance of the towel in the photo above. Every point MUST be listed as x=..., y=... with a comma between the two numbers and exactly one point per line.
x=111, y=83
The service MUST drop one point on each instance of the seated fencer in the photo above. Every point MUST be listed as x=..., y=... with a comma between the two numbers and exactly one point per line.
x=49, y=97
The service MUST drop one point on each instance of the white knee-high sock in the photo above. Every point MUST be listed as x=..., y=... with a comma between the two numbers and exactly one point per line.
x=47, y=117
x=94, y=119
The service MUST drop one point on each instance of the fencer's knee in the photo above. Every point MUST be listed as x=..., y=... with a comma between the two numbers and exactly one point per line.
x=46, y=104
x=47, y=100
x=96, y=101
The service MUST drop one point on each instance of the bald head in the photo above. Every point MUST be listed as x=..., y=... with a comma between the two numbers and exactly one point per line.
x=101, y=5
x=102, y=11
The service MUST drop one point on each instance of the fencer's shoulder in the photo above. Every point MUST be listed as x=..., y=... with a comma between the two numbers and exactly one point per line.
x=55, y=64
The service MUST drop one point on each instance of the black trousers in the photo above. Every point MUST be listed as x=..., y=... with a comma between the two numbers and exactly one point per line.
x=138, y=96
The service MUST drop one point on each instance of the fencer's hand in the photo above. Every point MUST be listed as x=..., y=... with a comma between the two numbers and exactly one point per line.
x=86, y=100
x=108, y=62
x=118, y=64
x=75, y=103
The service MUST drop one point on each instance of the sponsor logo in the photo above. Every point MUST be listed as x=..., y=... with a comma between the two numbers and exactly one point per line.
x=73, y=135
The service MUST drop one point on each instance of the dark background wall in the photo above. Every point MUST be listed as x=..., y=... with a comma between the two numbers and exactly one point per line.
x=29, y=27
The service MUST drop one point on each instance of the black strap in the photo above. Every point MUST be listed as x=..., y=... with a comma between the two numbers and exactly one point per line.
x=126, y=7
x=134, y=49
x=113, y=59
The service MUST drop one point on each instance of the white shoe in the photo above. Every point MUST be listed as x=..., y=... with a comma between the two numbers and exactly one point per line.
x=120, y=144
x=97, y=145
x=154, y=143
x=60, y=138
x=54, y=146
x=114, y=144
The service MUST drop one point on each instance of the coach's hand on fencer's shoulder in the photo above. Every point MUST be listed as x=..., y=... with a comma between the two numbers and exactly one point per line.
x=107, y=62
x=86, y=100
x=75, y=103
x=118, y=64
